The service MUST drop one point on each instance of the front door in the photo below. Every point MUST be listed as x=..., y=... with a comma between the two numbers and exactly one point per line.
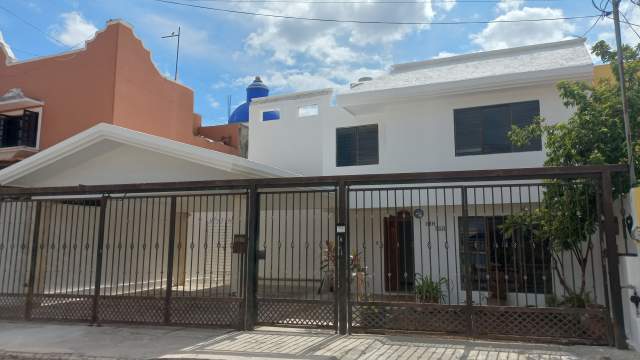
x=399, y=262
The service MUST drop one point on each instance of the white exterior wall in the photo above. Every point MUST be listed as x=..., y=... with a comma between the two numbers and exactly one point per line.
x=293, y=143
x=437, y=251
x=414, y=136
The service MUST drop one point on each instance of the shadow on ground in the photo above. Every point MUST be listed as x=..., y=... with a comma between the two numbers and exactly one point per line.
x=20, y=340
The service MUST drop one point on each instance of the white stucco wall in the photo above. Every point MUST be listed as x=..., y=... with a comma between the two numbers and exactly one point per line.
x=293, y=143
x=416, y=135
x=110, y=162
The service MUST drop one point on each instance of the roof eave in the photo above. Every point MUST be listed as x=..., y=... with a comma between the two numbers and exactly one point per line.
x=103, y=131
x=355, y=100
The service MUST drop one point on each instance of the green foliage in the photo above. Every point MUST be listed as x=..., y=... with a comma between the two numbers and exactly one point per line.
x=430, y=291
x=593, y=135
x=570, y=300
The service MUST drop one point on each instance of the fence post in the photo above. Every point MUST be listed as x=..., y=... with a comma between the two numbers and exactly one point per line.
x=34, y=260
x=466, y=259
x=251, y=301
x=612, y=261
x=342, y=262
x=170, y=256
x=96, y=293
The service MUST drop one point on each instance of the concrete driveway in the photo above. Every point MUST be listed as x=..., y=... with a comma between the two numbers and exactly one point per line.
x=20, y=340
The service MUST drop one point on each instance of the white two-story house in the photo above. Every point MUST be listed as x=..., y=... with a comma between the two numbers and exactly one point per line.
x=436, y=115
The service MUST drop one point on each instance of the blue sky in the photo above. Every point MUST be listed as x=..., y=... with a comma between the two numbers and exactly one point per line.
x=220, y=52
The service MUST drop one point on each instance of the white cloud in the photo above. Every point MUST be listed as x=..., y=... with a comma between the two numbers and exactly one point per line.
x=338, y=77
x=506, y=35
x=193, y=42
x=290, y=42
x=74, y=31
x=444, y=54
x=6, y=47
x=510, y=5
x=213, y=102
x=604, y=29
x=446, y=5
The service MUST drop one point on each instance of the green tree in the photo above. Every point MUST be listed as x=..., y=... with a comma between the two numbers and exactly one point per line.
x=593, y=135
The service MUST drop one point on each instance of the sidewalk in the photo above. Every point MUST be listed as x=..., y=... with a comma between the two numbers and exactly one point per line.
x=20, y=340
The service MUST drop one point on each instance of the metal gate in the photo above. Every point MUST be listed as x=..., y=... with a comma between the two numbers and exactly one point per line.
x=296, y=283
x=455, y=252
x=472, y=260
x=124, y=258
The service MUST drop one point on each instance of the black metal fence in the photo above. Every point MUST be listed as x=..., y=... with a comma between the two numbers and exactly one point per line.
x=473, y=259
x=521, y=253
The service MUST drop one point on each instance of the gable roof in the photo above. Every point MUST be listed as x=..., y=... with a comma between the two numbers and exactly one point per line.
x=106, y=132
x=523, y=65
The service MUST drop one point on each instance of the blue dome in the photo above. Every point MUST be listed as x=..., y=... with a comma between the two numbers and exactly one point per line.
x=255, y=90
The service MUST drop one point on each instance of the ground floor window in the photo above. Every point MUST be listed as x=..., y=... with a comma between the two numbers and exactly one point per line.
x=501, y=264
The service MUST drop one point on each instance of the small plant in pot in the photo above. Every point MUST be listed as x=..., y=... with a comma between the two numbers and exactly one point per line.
x=358, y=273
x=430, y=291
x=328, y=265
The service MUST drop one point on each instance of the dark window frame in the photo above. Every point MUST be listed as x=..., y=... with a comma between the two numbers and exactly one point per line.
x=485, y=146
x=19, y=130
x=357, y=157
x=498, y=250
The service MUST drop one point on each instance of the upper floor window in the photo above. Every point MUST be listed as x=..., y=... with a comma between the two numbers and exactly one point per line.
x=19, y=130
x=484, y=130
x=308, y=110
x=357, y=145
x=271, y=114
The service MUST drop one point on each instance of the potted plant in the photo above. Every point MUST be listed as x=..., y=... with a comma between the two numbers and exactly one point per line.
x=328, y=265
x=429, y=291
x=358, y=273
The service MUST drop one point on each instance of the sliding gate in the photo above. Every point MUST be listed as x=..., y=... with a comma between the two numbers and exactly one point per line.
x=126, y=257
x=520, y=253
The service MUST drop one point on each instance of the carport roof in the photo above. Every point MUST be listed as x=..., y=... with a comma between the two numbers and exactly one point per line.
x=100, y=134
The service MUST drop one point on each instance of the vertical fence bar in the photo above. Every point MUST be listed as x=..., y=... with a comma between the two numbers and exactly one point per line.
x=466, y=260
x=96, y=294
x=170, y=255
x=612, y=261
x=342, y=259
x=34, y=260
x=251, y=301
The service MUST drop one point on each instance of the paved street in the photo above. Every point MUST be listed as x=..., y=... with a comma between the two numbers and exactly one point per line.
x=19, y=340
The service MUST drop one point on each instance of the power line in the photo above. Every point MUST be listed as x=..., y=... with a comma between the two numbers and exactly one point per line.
x=373, y=2
x=629, y=25
x=32, y=25
x=592, y=26
x=372, y=21
x=603, y=10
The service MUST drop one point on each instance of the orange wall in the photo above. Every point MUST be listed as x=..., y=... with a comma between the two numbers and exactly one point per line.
x=112, y=81
x=602, y=72
x=77, y=87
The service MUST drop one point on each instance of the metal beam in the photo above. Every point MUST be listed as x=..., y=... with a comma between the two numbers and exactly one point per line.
x=369, y=179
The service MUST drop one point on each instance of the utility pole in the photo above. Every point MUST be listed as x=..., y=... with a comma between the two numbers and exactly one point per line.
x=172, y=35
x=623, y=92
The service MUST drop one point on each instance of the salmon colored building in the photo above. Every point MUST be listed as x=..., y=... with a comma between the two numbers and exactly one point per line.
x=112, y=80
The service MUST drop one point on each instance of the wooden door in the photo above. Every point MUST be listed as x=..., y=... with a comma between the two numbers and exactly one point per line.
x=391, y=254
